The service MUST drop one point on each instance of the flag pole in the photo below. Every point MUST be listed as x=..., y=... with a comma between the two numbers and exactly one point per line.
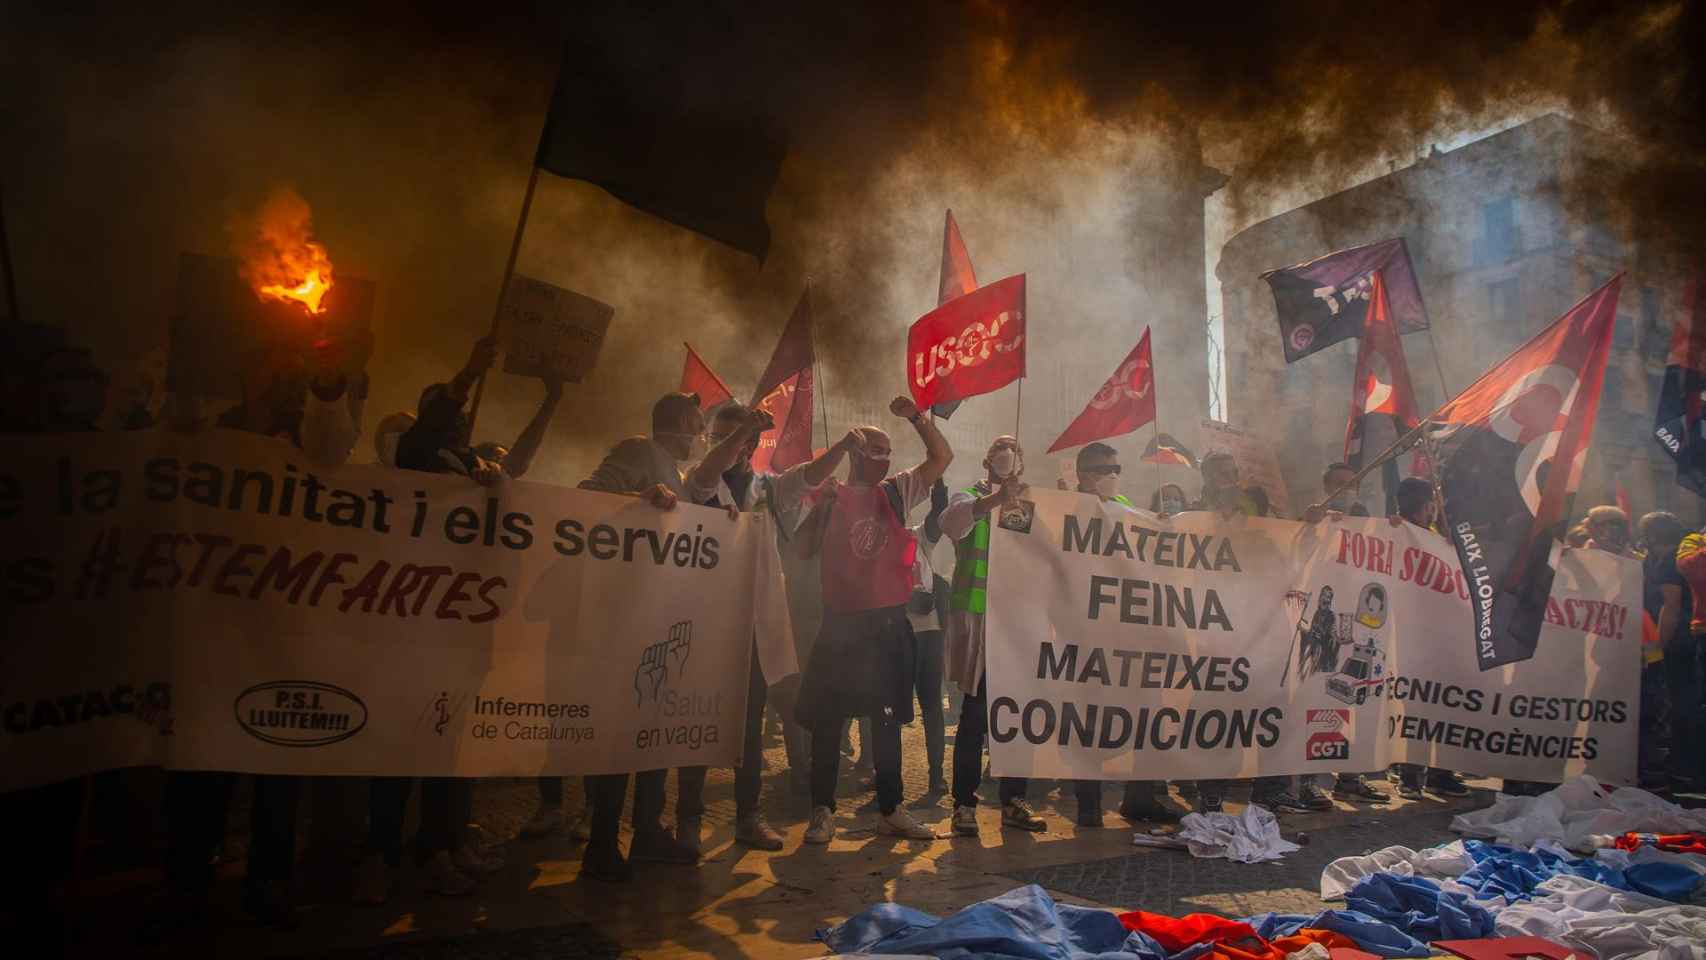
x=6, y=266
x=503, y=290
x=1433, y=348
x=817, y=375
x=1156, y=435
x=1019, y=408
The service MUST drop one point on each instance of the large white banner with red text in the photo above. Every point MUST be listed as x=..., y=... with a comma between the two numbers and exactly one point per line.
x=216, y=602
x=1125, y=646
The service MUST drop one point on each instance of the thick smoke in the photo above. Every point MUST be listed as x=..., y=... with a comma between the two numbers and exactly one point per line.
x=1066, y=140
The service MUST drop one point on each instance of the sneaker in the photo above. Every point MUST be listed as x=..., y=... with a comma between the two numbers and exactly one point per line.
x=1153, y=808
x=544, y=823
x=1408, y=792
x=1280, y=802
x=1312, y=797
x=1394, y=774
x=605, y=862
x=1208, y=803
x=900, y=824
x=1015, y=813
x=444, y=879
x=755, y=833
x=472, y=862
x=688, y=833
x=1359, y=789
x=965, y=821
x=1448, y=784
x=821, y=829
x=581, y=828
x=372, y=881
x=658, y=846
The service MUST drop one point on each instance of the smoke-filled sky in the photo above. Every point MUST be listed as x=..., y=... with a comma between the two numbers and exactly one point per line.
x=136, y=132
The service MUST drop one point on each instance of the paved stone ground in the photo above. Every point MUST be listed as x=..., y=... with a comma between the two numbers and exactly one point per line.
x=744, y=903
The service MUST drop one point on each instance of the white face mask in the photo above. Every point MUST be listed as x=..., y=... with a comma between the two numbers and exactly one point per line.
x=1004, y=463
x=1107, y=486
x=1172, y=505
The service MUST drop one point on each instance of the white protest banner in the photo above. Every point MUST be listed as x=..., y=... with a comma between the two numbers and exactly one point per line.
x=1124, y=646
x=217, y=602
x=1258, y=465
x=551, y=330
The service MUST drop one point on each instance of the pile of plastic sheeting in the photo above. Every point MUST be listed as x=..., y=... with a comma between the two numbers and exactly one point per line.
x=1250, y=836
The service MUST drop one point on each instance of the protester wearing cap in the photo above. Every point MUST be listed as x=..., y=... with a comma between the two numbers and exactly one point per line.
x=966, y=520
x=733, y=439
x=863, y=661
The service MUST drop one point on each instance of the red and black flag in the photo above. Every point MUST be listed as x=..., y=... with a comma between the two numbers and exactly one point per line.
x=786, y=391
x=1510, y=451
x=1380, y=392
x=1677, y=424
x=1163, y=448
x=1322, y=301
x=661, y=109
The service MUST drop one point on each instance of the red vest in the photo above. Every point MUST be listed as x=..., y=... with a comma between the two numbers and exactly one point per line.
x=867, y=553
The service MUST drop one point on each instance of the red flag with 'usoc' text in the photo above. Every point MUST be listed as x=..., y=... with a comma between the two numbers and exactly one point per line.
x=973, y=344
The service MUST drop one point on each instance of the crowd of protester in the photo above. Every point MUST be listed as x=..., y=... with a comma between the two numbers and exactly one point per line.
x=879, y=629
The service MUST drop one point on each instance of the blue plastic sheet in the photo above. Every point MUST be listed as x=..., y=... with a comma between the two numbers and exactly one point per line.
x=1023, y=924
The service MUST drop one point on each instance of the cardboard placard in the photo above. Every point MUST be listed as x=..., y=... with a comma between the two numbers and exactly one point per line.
x=220, y=320
x=1258, y=465
x=551, y=330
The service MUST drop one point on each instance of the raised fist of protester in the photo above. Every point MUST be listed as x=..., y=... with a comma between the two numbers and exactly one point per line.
x=903, y=407
x=850, y=441
x=487, y=473
x=759, y=420
x=1315, y=513
x=659, y=496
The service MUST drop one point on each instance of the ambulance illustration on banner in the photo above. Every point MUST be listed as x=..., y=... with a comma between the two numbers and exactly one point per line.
x=1343, y=646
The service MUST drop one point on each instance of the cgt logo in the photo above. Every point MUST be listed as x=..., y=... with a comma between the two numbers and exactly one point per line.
x=1327, y=740
x=300, y=713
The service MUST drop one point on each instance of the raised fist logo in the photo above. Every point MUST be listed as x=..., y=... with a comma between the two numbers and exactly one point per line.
x=660, y=659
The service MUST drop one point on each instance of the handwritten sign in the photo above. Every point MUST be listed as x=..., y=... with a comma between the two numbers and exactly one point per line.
x=552, y=331
x=1258, y=465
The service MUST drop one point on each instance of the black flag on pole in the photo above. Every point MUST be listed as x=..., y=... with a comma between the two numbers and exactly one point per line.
x=1325, y=300
x=660, y=110
x=1510, y=451
x=1677, y=424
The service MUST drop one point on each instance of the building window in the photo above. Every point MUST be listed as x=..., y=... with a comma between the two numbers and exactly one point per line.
x=1503, y=309
x=1498, y=241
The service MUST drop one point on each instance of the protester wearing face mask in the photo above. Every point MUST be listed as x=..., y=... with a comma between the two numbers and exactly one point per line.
x=733, y=439
x=863, y=663
x=1608, y=530
x=1169, y=500
x=1341, y=497
x=967, y=520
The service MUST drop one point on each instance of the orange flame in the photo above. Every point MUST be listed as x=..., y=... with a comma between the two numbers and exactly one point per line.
x=280, y=259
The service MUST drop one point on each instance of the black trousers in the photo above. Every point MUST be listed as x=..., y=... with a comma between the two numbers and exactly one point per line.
x=610, y=794
x=749, y=776
x=198, y=807
x=968, y=753
x=1683, y=674
x=929, y=687
x=388, y=803
x=826, y=762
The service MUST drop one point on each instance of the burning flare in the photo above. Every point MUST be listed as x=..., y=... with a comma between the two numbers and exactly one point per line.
x=280, y=259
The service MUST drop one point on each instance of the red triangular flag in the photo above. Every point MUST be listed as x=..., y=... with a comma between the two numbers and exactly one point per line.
x=790, y=440
x=1125, y=402
x=1381, y=386
x=698, y=377
x=957, y=278
x=1623, y=502
x=793, y=351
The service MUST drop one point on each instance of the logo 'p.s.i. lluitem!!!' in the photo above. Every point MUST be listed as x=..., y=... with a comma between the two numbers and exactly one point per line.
x=300, y=713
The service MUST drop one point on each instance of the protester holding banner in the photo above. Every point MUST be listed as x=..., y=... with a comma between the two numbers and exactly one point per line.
x=321, y=416
x=864, y=660
x=439, y=442
x=734, y=436
x=1224, y=495
x=966, y=520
